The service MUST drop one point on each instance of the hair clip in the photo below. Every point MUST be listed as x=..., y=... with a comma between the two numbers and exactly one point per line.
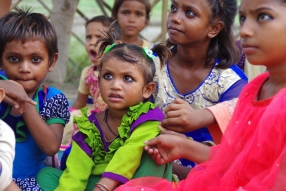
x=149, y=52
x=107, y=49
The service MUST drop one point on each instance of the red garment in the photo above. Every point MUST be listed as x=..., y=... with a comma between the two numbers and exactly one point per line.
x=252, y=154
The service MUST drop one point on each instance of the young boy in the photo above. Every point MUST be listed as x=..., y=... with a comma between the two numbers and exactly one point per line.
x=28, y=52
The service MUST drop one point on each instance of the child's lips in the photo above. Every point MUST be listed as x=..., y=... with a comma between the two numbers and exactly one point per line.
x=115, y=97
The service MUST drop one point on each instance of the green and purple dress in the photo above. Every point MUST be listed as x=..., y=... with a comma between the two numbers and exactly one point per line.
x=121, y=159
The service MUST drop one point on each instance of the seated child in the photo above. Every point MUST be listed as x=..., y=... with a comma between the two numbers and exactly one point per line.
x=88, y=84
x=28, y=52
x=108, y=149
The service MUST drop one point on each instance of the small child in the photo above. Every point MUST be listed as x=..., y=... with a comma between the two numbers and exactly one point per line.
x=108, y=149
x=28, y=52
x=133, y=16
x=88, y=84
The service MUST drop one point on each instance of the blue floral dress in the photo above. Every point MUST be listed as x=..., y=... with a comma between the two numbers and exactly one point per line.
x=52, y=106
x=220, y=85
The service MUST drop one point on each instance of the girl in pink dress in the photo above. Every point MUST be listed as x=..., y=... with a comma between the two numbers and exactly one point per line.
x=252, y=154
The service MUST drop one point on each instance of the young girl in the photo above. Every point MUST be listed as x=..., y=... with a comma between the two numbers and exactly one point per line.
x=252, y=153
x=88, y=84
x=133, y=16
x=28, y=52
x=108, y=149
x=201, y=70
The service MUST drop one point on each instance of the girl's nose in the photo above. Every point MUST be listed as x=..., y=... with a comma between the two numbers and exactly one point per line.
x=116, y=84
x=246, y=28
x=176, y=17
x=131, y=18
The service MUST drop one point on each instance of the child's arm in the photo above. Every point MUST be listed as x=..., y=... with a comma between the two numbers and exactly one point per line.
x=47, y=137
x=80, y=101
x=15, y=95
x=83, y=91
x=127, y=158
x=5, y=7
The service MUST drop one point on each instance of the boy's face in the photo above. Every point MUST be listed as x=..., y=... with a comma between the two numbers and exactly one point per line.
x=92, y=34
x=27, y=63
x=262, y=31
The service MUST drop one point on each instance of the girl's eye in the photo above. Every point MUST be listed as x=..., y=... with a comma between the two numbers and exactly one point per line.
x=107, y=76
x=241, y=19
x=128, y=79
x=264, y=17
x=13, y=59
x=190, y=13
x=173, y=8
x=36, y=59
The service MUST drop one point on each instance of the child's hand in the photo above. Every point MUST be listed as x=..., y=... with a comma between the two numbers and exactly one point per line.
x=165, y=147
x=181, y=117
x=15, y=95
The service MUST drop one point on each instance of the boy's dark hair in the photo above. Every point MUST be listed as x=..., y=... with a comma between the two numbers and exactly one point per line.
x=133, y=54
x=223, y=45
x=104, y=20
x=24, y=25
x=118, y=3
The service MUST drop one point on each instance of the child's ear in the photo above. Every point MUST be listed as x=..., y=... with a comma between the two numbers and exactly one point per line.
x=147, y=21
x=52, y=66
x=2, y=94
x=148, y=90
x=215, y=29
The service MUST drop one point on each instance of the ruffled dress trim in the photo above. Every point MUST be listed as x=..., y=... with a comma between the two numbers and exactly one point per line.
x=93, y=140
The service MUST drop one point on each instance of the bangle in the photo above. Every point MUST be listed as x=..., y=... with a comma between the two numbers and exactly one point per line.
x=103, y=185
x=99, y=187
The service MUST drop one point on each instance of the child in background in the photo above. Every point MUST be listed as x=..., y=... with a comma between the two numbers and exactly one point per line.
x=133, y=16
x=28, y=52
x=88, y=84
x=202, y=69
x=108, y=149
x=252, y=153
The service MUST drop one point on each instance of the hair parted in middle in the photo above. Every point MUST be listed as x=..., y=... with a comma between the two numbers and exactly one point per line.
x=132, y=53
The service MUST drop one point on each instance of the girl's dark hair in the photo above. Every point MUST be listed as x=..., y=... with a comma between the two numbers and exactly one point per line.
x=118, y=3
x=133, y=54
x=104, y=20
x=223, y=45
x=24, y=25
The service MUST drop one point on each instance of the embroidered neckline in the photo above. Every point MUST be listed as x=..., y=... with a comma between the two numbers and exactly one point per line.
x=99, y=155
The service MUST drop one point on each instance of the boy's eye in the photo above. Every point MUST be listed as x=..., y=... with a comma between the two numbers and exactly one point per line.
x=264, y=17
x=36, y=59
x=107, y=76
x=128, y=79
x=13, y=59
x=139, y=14
x=88, y=37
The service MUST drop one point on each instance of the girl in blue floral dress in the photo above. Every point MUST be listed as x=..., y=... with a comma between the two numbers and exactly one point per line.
x=202, y=70
x=108, y=149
